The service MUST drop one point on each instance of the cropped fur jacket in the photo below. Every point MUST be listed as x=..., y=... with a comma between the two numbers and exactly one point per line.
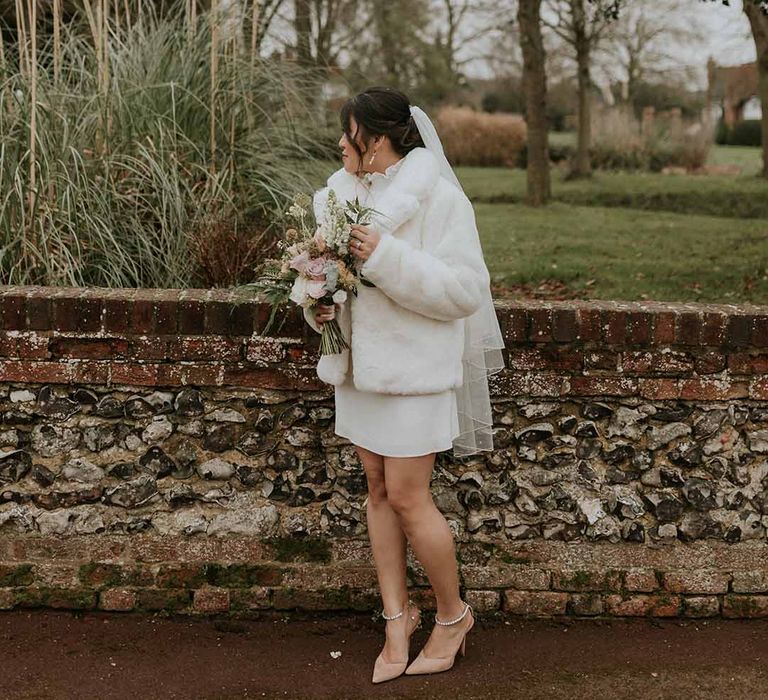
x=407, y=332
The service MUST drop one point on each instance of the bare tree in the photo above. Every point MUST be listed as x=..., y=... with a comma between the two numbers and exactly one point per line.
x=535, y=90
x=581, y=25
x=505, y=55
x=468, y=30
x=323, y=29
x=403, y=54
x=642, y=43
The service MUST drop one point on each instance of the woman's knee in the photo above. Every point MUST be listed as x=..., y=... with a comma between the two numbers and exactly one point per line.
x=377, y=489
x=408, y=483
x=373, y=465
x=407, y=501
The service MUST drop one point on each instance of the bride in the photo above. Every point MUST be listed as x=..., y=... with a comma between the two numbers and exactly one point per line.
x=423, y=341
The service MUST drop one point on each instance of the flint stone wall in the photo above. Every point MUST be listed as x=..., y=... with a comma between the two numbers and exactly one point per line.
x=159, y=454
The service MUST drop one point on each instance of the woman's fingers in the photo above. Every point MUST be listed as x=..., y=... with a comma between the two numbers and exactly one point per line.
x=325, y=312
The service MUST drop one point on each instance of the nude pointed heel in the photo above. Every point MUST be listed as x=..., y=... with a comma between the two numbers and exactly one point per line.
x=427, y=664
x=387, y=670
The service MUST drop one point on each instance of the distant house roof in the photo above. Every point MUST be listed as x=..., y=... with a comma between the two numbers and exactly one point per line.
x=732, y=84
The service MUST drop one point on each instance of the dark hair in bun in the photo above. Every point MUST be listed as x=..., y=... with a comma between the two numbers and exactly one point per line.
x=381, y=111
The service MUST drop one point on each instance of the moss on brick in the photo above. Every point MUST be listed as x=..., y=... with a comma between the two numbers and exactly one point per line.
x=50, y=597
x=577, y=580
x=581, y=578
x=154, y=599
x=73, y=599
x=742, y=605
x=181, y=576
x=100, y=575
x=301, y=549
x=237, y=600
x=243, y=575
x=290, y=597
x=499, y=552
x=337, y=597
x=29, y=597
x=508, y=558
x=21, y=575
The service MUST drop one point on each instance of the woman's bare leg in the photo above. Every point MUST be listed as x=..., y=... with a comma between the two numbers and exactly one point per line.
x=388, y=545
x=407, y=482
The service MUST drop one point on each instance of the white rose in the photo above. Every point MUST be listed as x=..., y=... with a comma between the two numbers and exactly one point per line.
x=340, y=296
x=299, y=290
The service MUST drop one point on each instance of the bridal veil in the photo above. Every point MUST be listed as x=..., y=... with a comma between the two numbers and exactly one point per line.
x=483, y=341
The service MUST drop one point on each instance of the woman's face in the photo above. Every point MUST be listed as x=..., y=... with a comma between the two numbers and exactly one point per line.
x=349, y=156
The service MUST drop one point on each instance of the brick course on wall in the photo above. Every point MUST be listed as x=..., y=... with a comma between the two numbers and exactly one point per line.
x=159, y=454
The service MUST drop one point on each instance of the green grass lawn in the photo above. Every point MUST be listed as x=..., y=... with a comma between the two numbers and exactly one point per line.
x=715, y=195
x=747, y=158
x=631, y=236
x=567, y=251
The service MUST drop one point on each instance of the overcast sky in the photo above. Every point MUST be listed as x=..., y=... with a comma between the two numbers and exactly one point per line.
x=726, y=37
x=730, y=40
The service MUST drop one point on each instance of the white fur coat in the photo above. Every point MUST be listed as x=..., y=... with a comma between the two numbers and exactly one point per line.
x=407, y=333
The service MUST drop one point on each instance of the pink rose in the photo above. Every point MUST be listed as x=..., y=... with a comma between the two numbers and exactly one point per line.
x=316, y=288
x=316, y=268
x=300, y=261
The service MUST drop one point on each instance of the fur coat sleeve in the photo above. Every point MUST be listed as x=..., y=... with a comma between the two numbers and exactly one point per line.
x=446, y=278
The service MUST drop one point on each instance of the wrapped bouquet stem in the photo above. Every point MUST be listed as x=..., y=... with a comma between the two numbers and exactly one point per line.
x=331, y=339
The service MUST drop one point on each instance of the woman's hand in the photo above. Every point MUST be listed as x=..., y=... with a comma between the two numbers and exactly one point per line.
x=363, y=241
x=325, y=312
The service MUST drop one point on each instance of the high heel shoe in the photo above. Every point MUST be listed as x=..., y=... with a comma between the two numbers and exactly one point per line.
x=384, y=670
x=428, y=664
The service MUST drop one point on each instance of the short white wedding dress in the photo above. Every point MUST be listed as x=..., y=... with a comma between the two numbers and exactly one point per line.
x=395, y=425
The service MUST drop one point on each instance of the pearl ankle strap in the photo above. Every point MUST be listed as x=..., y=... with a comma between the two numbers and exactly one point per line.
x=394, y=617
x=460, y=617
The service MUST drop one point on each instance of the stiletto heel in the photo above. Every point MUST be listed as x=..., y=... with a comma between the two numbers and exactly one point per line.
x=384, y=670
x=427, y=664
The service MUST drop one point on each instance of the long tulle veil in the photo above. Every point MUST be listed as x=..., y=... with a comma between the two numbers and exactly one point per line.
x=483, y=341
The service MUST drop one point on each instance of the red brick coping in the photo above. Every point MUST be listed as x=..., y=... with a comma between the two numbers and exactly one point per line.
x=210, y=337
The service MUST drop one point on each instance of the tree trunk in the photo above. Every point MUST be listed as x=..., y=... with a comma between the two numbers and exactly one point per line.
x=303, y=27
x=759, y=24
x=582, y=165
x=535, y=91
x=386, y=21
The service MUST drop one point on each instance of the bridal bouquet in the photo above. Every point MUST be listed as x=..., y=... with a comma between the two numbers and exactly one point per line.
x=316, y=266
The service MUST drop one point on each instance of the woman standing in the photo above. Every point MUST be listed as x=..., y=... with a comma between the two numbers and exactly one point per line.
x=423, y=341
